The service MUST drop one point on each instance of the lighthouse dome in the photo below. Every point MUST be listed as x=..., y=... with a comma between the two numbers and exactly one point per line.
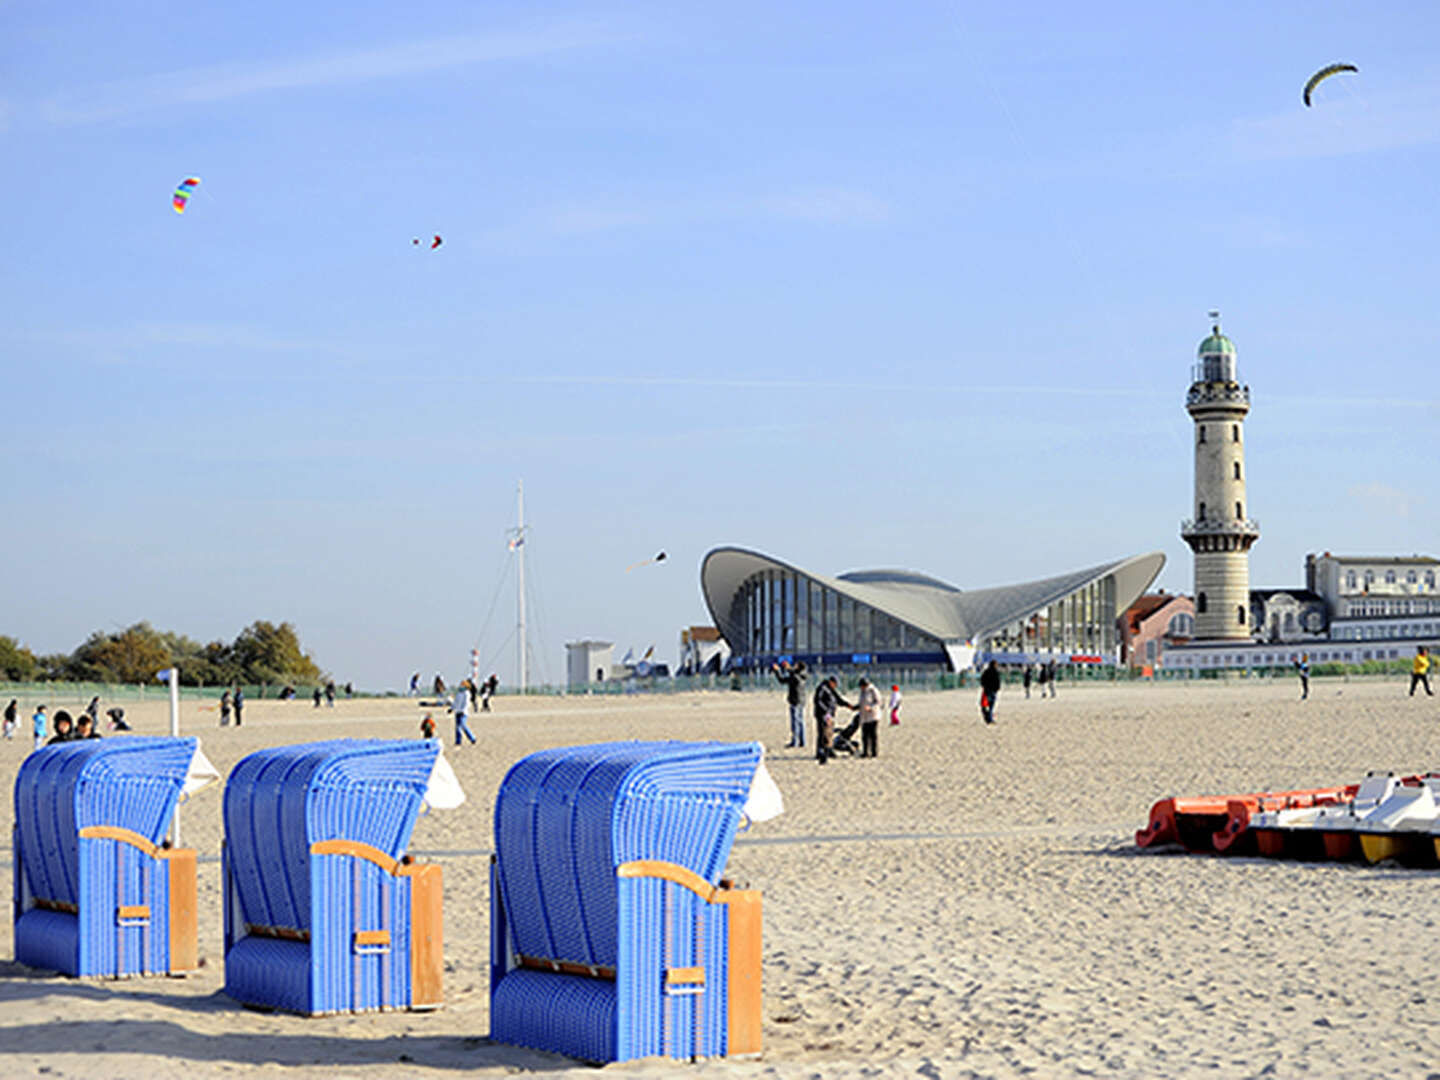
x=1217, y=344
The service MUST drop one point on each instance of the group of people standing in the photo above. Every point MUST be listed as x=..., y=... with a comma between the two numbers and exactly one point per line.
x=467, y=697
x=66, y=727
x=1043, y=674
x=230, y=701
x=827, y=702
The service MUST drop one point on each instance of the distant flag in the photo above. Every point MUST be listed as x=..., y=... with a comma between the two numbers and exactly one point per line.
x=629, y=657
x=166, y=675
x=649, y=653
x=515, y=542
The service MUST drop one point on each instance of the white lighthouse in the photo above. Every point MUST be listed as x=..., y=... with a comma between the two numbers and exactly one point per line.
x=1221, y=532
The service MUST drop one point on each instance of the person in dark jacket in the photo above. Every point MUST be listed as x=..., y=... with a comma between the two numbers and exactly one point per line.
x=827, y=702
x=989, y=690
x=794, y=680
x=64, y=728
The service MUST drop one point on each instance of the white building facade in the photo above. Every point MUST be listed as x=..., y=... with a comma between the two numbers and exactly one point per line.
x=1378, y=598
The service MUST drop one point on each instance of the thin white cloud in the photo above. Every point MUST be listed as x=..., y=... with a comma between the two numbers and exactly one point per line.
x=1385, y=499
x=827, y=205
x=225, y=82
x=140, y=340
x=1357, y=122
x=830, y=205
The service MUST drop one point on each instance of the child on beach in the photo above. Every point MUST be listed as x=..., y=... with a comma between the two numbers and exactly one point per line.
x=10, y=724
x=427, y=727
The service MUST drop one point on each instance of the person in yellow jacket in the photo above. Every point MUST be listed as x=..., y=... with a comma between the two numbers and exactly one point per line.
x=1420, y=671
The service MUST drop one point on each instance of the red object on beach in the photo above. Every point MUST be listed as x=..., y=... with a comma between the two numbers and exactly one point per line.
x=1218, y=822
x=1236, y=839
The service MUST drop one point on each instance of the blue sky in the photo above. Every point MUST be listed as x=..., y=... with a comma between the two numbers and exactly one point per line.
x=854, y=287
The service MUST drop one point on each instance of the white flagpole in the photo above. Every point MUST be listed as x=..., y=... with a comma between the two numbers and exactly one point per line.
x=520, y=551
x=174, y=674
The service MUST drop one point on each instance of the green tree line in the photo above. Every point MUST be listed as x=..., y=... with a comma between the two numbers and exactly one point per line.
x=262, y=653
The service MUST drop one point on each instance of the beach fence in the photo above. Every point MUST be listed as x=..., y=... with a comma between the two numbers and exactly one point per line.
x=97, y=890
x=324, y=912
x=612, y=934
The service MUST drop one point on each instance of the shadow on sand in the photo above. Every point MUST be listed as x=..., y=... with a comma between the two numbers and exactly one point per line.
x=172, y=1039
x=167, y=1039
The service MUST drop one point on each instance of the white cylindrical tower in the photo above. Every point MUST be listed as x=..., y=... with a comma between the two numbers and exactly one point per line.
x=1221, y=532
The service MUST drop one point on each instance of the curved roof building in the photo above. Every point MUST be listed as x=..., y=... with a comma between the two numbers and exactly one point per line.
x=769, y=610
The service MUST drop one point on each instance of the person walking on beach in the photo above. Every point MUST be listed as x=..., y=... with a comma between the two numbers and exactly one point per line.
x=225, y=709
x=37, y=725
x=1026, y=680
x=488, y=689
x=895, y=705
x=793, y=679
x=93, y=711
x=239, y=703
x=415, y=684
x=1051, y=676
x=316, y=697
x=827, y=701
x=1420, y=671
x=868, y=706
x=1302, y=668
x=459, y=707
x=989, y=691
x=10, y=712
x=330, y=693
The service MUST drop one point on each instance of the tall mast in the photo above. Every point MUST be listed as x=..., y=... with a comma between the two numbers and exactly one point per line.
x=520, y=577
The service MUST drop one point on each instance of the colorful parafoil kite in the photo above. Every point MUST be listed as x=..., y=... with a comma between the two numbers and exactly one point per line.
x=183, y=193
x=1323, y=74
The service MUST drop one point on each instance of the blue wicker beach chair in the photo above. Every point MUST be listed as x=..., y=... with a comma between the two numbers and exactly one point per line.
x=324, y=911
x=612, y=935
x=96, y=890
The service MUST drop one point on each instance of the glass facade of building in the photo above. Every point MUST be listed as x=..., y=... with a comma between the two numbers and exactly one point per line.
x=783, y=614
x=1081, y=624
x=786, y=614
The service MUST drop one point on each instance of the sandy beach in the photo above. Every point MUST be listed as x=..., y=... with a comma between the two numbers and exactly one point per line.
x=970, y=903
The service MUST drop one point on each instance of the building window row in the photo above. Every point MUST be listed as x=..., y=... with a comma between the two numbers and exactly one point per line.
x=1412, y=577
x=1379, y=607
x=1386, y=631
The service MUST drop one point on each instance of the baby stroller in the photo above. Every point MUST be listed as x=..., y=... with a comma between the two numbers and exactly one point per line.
x=844, y=741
